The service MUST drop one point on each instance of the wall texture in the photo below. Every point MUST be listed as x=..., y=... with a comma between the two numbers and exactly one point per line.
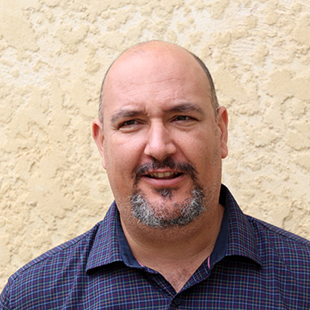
x=54, y=54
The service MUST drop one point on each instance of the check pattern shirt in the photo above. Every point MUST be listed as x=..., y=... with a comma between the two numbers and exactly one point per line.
x=254, y=265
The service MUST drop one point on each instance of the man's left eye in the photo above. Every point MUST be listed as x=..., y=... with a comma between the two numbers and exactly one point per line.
x=182, y=118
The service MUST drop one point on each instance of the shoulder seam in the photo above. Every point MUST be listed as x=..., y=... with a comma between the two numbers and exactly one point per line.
x=50, y=253
x=281, y=232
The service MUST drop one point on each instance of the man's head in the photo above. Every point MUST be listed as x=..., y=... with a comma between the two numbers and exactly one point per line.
x=159, y=138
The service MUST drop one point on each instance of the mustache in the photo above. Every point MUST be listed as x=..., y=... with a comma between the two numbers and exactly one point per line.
x=181, y=167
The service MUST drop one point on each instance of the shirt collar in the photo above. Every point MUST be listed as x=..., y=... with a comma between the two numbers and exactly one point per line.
x=105, y=249
x=236, y=238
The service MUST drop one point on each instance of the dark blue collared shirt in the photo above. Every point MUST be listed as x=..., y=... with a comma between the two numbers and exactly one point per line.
x=254, y=265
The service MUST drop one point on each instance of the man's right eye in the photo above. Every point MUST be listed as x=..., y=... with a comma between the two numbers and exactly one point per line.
x=128, y=123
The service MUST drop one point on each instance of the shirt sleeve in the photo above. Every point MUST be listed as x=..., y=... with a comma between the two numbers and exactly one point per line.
x=4, y=297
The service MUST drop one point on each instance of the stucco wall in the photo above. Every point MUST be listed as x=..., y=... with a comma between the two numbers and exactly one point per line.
x=53, y=56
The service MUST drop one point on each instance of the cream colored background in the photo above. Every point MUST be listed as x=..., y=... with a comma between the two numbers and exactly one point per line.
x=53, y=56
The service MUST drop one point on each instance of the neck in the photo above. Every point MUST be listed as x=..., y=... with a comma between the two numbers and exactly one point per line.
x=175, y=252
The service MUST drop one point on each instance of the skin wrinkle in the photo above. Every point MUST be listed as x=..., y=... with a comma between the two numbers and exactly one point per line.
x=181, y=108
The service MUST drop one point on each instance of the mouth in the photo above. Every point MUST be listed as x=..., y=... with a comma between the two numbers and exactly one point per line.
x=163, y=175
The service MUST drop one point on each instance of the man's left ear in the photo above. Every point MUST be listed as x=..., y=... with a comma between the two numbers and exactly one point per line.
x=222, y=123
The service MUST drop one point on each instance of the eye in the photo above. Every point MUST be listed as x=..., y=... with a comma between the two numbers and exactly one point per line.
x=128, y=123
x=184, y=121
x=182, y=118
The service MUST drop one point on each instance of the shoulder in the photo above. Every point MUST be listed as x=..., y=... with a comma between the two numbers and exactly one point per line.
x=288, y=245
x=71, y=255
x=78, y=245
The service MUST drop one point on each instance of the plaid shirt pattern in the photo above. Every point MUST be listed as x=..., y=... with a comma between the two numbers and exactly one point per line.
x=254, y=265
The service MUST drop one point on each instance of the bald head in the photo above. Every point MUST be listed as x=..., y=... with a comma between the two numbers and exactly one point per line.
x=162, y=51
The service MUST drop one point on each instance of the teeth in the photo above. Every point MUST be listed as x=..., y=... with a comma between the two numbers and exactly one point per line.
x=161, y=175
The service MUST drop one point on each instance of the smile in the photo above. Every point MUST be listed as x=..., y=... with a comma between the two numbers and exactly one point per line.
x=164, y=175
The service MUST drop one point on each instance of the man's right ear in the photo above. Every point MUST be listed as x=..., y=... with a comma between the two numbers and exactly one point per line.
x=99, y=137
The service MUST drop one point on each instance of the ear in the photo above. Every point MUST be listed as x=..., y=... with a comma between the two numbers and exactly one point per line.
x=98, y=136
x=222, y=123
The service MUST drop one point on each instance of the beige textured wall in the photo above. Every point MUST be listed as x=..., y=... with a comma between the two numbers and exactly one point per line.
x=53, y=56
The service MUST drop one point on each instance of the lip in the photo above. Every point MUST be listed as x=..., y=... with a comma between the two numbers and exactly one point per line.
x=159, y=183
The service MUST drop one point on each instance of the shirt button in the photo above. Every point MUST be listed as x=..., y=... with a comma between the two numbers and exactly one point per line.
x=177, y=301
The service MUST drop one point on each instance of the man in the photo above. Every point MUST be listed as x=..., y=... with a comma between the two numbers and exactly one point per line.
x=174, y=238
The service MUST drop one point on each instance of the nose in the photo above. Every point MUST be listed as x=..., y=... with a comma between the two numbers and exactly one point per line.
x=159, y=145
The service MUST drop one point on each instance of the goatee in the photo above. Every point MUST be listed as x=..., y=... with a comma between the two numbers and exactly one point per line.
x=158, y=215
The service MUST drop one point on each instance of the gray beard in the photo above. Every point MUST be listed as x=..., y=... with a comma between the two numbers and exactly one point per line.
x=156, y=216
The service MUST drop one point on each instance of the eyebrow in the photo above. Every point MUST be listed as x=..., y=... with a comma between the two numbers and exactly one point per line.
x=125, y=114
x=180, y=108
x=186, y=107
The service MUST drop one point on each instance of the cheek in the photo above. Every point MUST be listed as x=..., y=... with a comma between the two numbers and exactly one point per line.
x=122, y=156
x=193, y=146
x=204, y=152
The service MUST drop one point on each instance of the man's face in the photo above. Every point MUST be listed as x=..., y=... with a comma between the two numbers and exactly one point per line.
x=161, y=143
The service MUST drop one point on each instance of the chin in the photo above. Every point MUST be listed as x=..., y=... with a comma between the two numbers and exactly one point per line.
x=167, y=211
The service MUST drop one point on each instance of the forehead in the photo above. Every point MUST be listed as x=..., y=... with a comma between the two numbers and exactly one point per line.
x=160, y=75
x=158, y=61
